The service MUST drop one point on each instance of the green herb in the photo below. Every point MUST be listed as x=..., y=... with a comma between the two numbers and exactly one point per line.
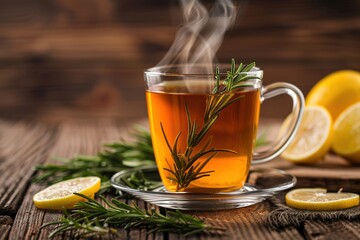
x=80, y=229
x=92, y=218
x=235, y=78
x=114, y=158
x=185, y=168
x=110, y=161
x=137, y=180
x=261, y=140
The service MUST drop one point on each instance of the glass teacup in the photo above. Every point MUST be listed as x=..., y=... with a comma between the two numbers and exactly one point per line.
x=204, y=137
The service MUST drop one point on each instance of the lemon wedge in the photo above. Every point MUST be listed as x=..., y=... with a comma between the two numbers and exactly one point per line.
x=313, y=139
x=347, y=133
x=61, y=195
x=319, y=199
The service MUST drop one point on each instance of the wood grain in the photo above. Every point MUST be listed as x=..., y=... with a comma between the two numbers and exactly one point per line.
x=73, y=138
x=64, y=60
x=84, y=138
x=71, y=141
x=332, y=171
x=5, y=226
x=245, y=223
x=22, y=145
x=332, y=231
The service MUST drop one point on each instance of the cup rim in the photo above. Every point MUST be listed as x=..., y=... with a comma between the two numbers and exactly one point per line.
x=156, y=71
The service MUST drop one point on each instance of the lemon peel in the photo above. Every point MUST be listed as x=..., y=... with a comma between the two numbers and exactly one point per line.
x=336, y=91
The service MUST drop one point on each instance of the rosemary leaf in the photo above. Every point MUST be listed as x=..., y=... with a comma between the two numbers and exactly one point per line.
x=137, y=180
x=92, y=218
x=114, y=158
x=185, y=168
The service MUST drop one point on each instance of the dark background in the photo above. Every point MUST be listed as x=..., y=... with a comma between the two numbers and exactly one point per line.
x=84, y=59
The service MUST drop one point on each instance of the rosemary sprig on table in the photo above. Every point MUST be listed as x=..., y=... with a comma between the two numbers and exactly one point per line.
x=93, y=218
x=186, y=168
x=114, y=158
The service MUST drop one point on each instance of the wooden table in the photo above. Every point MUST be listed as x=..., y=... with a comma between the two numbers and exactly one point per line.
x=24, y=144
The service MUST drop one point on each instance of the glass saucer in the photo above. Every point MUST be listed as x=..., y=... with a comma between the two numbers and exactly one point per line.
x=261, y=183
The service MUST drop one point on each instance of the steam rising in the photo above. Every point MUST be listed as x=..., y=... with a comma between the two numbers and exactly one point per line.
x=198, y=40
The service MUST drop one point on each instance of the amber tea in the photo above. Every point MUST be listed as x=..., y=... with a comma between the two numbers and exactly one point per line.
x=234, y=129
x=203, y=126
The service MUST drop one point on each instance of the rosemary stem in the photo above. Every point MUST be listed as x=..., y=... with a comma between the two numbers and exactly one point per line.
x=183, y=171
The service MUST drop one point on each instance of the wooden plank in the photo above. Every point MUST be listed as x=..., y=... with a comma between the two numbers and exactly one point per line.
x=332, y=230
x=85, y=138
x=22, y=145
x=71, y=94
x=332, y=172
x=332, y=166
x=96, y=93
x=56, y=58
x=5, y=226
x=126, y=39
x=243, y=223
x=73, y=138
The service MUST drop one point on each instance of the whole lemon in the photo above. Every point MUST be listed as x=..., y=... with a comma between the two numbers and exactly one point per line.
x=336, y=91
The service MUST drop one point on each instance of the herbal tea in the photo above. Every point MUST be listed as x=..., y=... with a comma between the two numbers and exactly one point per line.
x=172, y=109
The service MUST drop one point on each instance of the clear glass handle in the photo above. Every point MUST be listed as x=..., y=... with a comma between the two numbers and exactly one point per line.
x=297, y=97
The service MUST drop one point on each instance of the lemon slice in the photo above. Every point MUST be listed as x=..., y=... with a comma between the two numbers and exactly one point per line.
x=60, y=195
x=313, y=140
x=347, y=133
x=319, y=199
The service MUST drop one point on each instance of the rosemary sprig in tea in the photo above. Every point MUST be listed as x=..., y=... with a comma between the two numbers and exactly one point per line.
x=262, y=140
x=116, y=157
x=137, y=180
x=93, y=218
x=185, y=168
